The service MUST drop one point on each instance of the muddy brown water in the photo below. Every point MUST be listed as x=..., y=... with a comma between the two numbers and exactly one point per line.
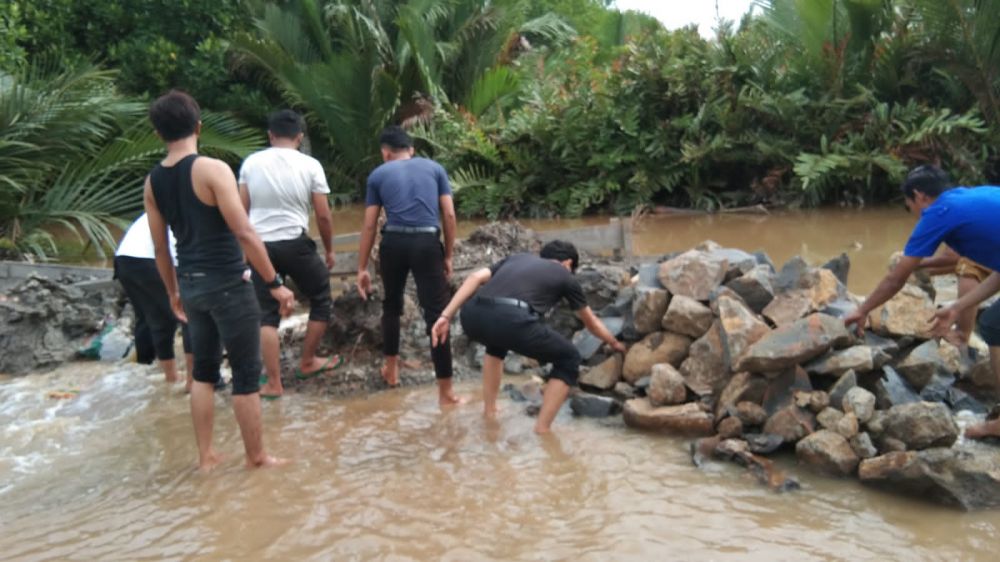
x=109, y=475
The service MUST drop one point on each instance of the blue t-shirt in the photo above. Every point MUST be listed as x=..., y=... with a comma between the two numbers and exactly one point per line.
x=408, y=190
x=968, y=220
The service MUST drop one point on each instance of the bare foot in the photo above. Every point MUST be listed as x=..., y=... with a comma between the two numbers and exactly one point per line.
x=391, y=376
x=986, y=429
x=492, y=413
x=207, y=463
x=271, y=390
x=542, y=430
x=267, y=461
x=451, y=399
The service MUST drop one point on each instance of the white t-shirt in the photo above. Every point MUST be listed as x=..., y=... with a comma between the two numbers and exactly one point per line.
x=281, y=182
x=138, y=241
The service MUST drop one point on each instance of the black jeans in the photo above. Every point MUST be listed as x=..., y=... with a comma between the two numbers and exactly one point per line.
x=222, y=307
x=296, y=258
x=503, y=327
x=422, y=253
x=155, y=324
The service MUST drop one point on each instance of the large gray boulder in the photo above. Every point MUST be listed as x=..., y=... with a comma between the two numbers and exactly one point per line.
x=605, y=375
x=648, y=309
x=892, y=389
x=658, y=347
x=859, y=358
x=686, y=419
x=687, y=316
x=923, y=362
x=921, y=425
x=859, y=402
x=666, y=386
x=740, y=327
x=755, y=287
x=966, y=477
x=905, y=314
x=742, y=387
x=827, y=452
x=791, y=423
x=794, y=344
x=706, y=368
x=693, y=274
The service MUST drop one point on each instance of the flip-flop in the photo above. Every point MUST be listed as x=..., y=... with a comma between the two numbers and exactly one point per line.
x=332, y=363
x=262, y=381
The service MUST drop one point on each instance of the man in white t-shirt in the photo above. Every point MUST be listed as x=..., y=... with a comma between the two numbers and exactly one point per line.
x=278, y=186
x=155, y=324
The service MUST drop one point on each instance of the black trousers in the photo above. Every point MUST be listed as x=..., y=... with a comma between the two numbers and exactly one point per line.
x=296, y=258
x=155, y=324
x=422, y=253
x=502, y=328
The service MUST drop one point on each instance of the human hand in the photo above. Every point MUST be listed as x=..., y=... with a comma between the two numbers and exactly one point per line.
x=942, y=321
x=859, y=320
x=364, y=284
x=447, y=267
x=439, y=332
x=285, y=298
x=331, y=260
x=178, y=307
x=617, y=346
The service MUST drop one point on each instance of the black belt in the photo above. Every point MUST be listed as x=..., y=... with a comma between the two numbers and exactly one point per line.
x=193, y=275
x=506, y=301
x=410, y=229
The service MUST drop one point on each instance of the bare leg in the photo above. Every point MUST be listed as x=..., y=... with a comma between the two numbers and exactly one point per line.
x=314, y=334
x=169, y=367
x=990, y=428
x=967, y=318
x=446, y=395
x=555, y=394
x=247, y=409
x=492, y=371
x=203, y=415
x=390, y=370
x=270, y=350
x=189, y=365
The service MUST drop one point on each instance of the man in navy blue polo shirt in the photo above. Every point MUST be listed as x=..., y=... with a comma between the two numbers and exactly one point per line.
x=418, y=205
x=967, y=220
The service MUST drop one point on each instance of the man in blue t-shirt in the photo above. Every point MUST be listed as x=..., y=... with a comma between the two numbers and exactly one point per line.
x=417, y=200
x=966, y=220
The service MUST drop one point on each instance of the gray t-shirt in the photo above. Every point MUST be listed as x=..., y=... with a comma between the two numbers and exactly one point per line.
x=408, y=190
x=537, y=281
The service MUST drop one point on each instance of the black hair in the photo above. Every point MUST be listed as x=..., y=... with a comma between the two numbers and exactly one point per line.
x=175, y=115
x=927, y=179
x=285, y=124
x=395, y=138
x=561, y=250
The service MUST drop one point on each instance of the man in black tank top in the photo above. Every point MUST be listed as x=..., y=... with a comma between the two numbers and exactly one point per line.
x=508, y=301
x=210, y=289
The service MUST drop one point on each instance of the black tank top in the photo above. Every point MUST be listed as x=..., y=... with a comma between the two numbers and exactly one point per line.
x=204, y=242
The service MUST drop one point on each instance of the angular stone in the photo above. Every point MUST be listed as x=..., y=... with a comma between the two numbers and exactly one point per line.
x=981, y=374
x=742, y=387
x=793, y=344
x=689, y=419
x=788, y=307
x=862, y=445
x=780, y=391
x=588, y=344
x=937, y=388
x=666, y=386
x=730, y=427
x=755, y=287
x=763, y=443
x=739, y=261
x=920, y=365
x=648, y=309
x=658, y=347
x=960, y=400
x=765, y=260
x=602, y=283
x=740, y=327
x=791, y=423
x=847, y=426
x=859, y=402
x=827, y=452
x=876, y=425
x=623, y=391
x=891, y=389
x=846, y=382
x=905, y=314
x=648, y=275
x=966, y=478
x=890, y=445
x=829, y=418
x=888, y=346
x=751, y=413
x=593, y=406
x=706, y=368
x=860, y=358
x=921, y=425
x=840, y=266
x=687, y=316
x=791, y=274
x=604, y=375
x=818, y=401
x=693, y=274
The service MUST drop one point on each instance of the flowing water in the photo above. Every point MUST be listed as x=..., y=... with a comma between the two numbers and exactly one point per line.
x=108, y=475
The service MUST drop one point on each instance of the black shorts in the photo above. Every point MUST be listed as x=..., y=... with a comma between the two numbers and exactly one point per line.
x=502, y=328
x=298, y=260
x=155, y=323
x=989, y=325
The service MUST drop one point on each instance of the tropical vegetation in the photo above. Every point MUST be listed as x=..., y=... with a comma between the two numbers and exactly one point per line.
x=537, y=108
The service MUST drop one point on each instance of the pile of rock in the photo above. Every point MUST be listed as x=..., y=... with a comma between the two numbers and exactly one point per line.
x=759, y=359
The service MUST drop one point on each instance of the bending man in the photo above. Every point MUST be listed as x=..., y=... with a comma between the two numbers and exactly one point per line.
x=416, y=196
x=508, y=300
x=278, y=186
x=966, y=220
x=198, y=198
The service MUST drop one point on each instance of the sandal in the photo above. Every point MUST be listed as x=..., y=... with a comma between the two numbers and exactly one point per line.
x=332, y=363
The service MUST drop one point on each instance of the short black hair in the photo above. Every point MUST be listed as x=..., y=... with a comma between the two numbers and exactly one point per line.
x=560, y=250
x=927, y=179
x=175, y=115
x=395, y=138
x=285, y=124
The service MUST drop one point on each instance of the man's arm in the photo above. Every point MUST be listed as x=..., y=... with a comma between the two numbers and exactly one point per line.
x=478, y=278
x=449, y=225
x=596, y=327
x=945, y=318
x=161, y=245
x=365, y=248
x=889, y=286
x=324, y=222
x=222, y=183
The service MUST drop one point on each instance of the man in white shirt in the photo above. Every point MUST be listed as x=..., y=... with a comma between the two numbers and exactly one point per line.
x=155, y=323
x=278, y=186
